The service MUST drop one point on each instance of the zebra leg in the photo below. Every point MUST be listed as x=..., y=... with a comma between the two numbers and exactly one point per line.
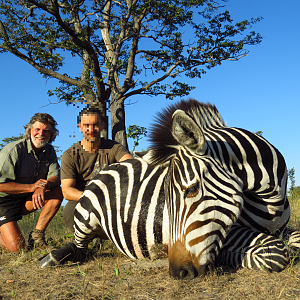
x=246, y=248
x=291, y=238
x=86, y=227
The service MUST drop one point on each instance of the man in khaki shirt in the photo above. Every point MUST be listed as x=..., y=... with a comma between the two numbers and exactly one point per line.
x=29, y=180
x=83, y=160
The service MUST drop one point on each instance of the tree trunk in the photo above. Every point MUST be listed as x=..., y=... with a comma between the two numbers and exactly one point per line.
x=117, y=113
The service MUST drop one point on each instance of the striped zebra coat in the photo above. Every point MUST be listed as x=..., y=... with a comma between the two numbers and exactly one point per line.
x=215, y=195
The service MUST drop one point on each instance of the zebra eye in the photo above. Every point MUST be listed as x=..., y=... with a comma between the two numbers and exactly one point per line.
x=192, y=191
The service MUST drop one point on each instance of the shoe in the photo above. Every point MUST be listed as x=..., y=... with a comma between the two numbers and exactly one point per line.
x=37, y=240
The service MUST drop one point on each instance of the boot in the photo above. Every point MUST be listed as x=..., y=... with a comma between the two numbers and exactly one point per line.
x=37, y=240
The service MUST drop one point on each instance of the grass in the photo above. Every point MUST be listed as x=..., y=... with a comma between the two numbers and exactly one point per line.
x=113, y=276
x=56, y=231
x=295, y=213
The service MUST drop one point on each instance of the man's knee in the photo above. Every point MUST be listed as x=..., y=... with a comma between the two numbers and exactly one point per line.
x=11, y=238
x=54, y=194
x=53, y=198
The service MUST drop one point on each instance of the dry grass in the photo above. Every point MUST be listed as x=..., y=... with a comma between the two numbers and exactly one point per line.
x=112, y=276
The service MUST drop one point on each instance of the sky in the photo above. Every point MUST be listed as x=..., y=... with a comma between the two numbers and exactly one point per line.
x=260, y=92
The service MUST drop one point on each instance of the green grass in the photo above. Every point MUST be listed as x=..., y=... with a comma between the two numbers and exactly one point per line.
x=295, y=213
x=56, y=231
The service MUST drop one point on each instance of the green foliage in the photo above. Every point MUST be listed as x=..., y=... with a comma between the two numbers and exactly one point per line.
x=117, y=269
x=136, y=133
x=294, y=190
x=259, y=132
x=291, y=177
x=79, y=272
x=58, y=150
x=8, y=140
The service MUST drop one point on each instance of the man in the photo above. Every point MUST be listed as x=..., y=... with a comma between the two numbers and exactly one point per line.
x=83, y=160
x=29, y=180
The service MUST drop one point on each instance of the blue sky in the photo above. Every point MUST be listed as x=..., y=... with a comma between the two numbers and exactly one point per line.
x=259, y=92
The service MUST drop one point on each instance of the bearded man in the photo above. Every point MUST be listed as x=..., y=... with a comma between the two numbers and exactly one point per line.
x=29, y=180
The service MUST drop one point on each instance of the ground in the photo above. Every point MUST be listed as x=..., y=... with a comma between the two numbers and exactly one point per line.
x=112, y=276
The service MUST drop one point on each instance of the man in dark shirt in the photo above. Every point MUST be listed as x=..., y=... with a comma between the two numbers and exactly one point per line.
x=29, y=180
x=81, y=162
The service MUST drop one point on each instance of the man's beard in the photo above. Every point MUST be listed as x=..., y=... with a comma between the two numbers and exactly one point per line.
x=92, y=139
x=39, y=144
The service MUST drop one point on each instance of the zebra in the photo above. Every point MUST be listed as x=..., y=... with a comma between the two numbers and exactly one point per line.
x=215, y=195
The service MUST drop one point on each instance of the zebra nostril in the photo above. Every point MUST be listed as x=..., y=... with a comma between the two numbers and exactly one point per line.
x=183, y=273
x=188, y=273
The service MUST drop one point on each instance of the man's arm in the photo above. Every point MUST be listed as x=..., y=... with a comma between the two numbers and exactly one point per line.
x=20, y=188
x=125, y=157
x=52, y=182
x=69, y=191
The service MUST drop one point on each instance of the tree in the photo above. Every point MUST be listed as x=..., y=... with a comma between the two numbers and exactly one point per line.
x=136, y=133
x=291, y=177
x=8, y=140
x=125, y=48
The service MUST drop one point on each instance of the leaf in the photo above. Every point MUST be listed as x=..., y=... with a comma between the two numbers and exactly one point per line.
x=68, y=236
x=117, y=270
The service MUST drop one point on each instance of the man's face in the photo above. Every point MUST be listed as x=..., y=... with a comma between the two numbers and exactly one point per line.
x=40, y=134
x=90, y=126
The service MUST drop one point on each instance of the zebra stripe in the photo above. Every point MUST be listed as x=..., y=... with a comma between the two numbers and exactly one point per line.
x=247, y=248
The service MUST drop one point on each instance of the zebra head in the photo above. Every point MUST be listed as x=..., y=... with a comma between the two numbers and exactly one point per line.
x=203, y=198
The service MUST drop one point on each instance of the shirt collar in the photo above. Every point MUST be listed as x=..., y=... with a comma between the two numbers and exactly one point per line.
x=30, y=148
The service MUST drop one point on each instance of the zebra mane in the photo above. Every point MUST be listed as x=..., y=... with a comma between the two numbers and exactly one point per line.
x=162, y=143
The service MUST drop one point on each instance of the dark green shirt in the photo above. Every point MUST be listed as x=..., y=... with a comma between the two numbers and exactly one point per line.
x=19, y=163
x=76, y=163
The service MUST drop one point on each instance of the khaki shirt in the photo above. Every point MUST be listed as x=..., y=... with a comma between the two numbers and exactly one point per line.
x=78, y=164
x=19, y=163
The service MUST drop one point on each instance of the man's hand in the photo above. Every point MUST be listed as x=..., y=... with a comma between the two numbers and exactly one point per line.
x=41, y=183
x=38, y=198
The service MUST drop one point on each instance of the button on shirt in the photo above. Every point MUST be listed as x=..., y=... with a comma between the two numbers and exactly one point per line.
x=19, y=163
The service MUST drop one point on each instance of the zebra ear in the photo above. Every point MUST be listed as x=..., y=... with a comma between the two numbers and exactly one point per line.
x=139, y=154
x=147, y=156
x=186, y=131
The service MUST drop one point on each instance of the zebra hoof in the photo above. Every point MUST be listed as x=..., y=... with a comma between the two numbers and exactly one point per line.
x=60, y=256
x=48, y=260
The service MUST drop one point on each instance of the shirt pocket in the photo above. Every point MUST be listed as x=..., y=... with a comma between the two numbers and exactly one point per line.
x=43, y=169
x=26, y=173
